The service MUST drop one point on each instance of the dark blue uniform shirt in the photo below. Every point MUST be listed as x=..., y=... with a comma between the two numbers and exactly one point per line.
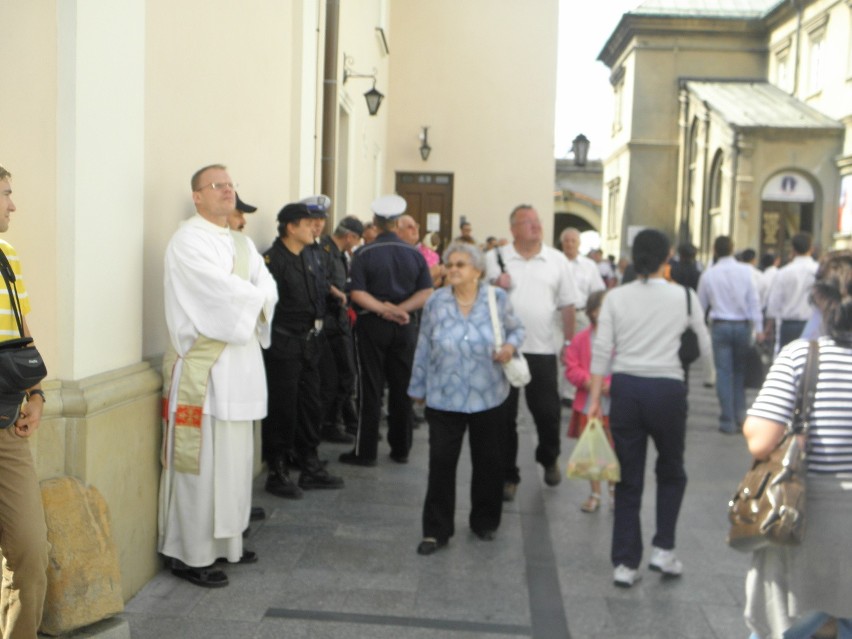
x=389, y=269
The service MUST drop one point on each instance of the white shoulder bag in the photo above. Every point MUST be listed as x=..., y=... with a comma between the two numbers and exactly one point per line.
x=517, y=369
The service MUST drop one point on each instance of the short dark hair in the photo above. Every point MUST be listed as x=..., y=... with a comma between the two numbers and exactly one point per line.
x=723, y=246
x=515, y=210
x=650, y=251
x=748, y=255
x=766, y=261
x=196, y=177
x=4, y=173
x=801, y=243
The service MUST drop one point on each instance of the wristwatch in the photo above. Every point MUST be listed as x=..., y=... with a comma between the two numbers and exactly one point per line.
x=36, y=391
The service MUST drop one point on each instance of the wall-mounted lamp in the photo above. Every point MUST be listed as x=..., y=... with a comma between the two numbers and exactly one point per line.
x=425, y=149
x=373, y=97
x=580, y=147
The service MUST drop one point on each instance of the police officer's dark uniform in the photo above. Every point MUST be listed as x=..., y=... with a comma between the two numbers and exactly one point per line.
x=337, y=363
x=389, y=270
x=290, y=429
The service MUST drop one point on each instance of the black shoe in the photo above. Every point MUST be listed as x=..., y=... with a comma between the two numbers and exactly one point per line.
x=206, y=577
x=335, y=435
x=354, y=460
x=249, y=557
x=319, y=478
x=429, y=545
x=279, y=483
x=257, y=514
x=399, y=459
x=484, y=535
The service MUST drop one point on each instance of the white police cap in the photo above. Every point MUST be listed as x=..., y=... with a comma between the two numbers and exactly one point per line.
x=388, y=206
x=317, y=204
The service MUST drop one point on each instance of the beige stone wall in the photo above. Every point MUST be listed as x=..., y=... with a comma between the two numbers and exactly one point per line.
x=481, y=74
x=28, y=149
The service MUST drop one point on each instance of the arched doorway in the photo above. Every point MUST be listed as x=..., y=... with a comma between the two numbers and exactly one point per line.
x=787, y=207
x=562, y=221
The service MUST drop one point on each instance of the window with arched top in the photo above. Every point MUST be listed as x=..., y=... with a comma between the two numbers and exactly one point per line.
x=691, y=170
x=711, y=220
x=716, y=183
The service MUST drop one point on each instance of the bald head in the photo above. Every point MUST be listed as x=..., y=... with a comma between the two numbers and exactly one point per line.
x=408, y=230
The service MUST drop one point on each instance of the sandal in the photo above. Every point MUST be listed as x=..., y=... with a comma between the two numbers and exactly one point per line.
x=591, y=504
x=206, y=577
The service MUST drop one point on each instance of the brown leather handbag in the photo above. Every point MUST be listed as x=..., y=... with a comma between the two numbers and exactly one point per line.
x=769, y=505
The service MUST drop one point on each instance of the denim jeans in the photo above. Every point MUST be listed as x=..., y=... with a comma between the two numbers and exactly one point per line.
x=807, y=625
x=730, y=346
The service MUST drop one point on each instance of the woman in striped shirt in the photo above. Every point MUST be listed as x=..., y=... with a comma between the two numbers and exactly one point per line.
x=792, y=591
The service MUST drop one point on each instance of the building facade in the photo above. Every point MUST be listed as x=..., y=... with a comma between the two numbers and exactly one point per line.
x=730, y=120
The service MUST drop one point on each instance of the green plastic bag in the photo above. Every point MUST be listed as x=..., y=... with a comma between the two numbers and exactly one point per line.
x=593, y=458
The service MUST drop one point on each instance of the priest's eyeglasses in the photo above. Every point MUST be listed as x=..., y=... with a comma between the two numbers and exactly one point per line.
x=220, y=186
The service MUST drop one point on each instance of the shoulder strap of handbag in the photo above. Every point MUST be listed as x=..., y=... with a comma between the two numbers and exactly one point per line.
x=495, y=320
x=807, y=390
x=14, y=302
x=500, y=261
x=688, y=302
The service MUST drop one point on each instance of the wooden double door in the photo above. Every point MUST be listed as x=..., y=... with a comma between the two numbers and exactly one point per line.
x=430, y=202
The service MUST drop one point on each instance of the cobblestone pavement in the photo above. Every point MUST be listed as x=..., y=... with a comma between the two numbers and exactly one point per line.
x=342, y=563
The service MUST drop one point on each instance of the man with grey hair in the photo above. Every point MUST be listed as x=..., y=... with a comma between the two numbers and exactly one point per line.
x=588, y=279
x=539, y=281
x=337, y=359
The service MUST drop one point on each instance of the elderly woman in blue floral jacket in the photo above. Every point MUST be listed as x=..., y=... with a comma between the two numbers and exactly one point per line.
x=458, y=372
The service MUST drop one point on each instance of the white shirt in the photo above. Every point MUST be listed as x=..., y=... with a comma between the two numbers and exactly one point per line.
x=203, y=296
x=541, y=285
x=587, y=278
x=727, y=289
x=788, y=297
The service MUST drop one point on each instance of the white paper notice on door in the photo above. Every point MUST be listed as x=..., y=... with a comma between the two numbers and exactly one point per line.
x=433, y=222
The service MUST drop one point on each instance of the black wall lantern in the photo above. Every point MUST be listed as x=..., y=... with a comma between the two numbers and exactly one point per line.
x=580, y=147
x=425, y=149
x=373, y=97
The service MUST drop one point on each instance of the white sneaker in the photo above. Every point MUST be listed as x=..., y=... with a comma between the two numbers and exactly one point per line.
x=625, y=577
x=664, y=561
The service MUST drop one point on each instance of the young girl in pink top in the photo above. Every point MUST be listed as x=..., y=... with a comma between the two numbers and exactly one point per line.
x=577, y=359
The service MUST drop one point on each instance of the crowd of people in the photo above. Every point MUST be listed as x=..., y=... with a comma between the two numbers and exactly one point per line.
x=321, y=333
x=331, y=330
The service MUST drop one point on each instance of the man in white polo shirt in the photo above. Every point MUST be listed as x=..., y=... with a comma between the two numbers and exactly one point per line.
x=789, y=298
x=539, y=281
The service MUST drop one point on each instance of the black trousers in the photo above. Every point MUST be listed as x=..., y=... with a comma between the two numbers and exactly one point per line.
x=385, y=354
x=542, y=394
x=337, y=377
x=644, y=407
x=291, y=426
x=446, y=433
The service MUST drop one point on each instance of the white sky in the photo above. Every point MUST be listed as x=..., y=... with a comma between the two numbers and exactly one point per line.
x=583, y=92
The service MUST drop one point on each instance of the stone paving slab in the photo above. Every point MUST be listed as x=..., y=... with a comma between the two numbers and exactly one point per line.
x=343, y=563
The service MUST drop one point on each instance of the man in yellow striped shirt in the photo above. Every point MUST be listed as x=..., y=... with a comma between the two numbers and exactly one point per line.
x=23, y=533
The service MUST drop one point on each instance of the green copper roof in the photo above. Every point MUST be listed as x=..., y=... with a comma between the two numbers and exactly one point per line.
x=759, y=105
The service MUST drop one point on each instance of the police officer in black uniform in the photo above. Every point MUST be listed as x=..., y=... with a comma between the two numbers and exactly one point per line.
x=337, y=363
x=389, y=280
x=291, y=427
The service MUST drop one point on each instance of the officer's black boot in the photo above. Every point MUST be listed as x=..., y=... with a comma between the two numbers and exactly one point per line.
x=278, y=481
x=314, y=475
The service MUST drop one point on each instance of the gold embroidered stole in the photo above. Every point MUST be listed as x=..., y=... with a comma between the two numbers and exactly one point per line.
x=192, y=386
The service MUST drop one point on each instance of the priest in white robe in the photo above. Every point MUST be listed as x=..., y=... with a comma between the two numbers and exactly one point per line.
x=219, y=301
